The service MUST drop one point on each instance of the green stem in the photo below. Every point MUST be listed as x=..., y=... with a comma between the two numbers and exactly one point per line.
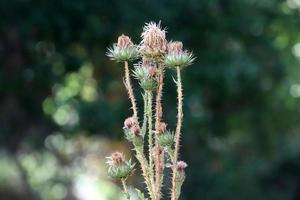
x=125, y=189
x=170, y=153
x=145, y=169
x=144, y=127
x=177, y=134
x=150, y=138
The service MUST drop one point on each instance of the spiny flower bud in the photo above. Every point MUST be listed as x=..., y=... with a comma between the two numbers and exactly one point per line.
x=117, y=166
x=149, y=84
x=116, y=159
x=132, y=131
x=124, y=50
x=181, y=165
x=154, y=43
x=180, y=176
x=177, y=57
x=161, y=128
x=124, y=41
x=152, y=71
x=175, y=47
x=166, y=139
x=136, y=130
x=129, y=122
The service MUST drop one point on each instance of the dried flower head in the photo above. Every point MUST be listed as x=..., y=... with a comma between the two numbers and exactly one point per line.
x=161, y=128
x=181, y=165
x=177, y=57
x=154, y=43
x=124, y=50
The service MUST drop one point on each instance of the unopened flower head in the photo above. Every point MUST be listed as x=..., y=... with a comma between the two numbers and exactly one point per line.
x=175, y=47
x=124, y=42
x=165, y=139
x=123, y=50
x=116, y=159
x=181, y=165
x=154, y=43
x=146, y=72
x=136, y=130
x=152, y=71
x=129, y=122
x=118, y=167
x=162, y=128
x=177, y=57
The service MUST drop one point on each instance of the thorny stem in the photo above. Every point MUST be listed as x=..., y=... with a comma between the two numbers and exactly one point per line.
x=145, y=169
x=130, y=91
x=170, y=153
x=125, y=189
x=177, y=133
x=159, y=158
x=150, y=135
x=144, y=127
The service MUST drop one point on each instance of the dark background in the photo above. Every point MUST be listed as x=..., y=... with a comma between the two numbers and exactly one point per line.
x=59, y=94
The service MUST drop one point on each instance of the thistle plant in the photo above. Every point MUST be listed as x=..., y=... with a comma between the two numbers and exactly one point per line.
x=154, y=145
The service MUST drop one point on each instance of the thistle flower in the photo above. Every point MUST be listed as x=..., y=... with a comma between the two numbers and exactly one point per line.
x=177, y=57
x=124, y=50
x=154, y=43
x=118, y=168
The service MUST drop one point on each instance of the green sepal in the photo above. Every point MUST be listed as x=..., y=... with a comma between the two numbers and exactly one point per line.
x=118, y=54
x=166, y=139
x=179, y=60
x=121, y=171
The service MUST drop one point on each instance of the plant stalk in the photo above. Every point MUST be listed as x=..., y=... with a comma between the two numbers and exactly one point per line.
x=125, y=189
x=130, y=91
x=177, y=133
x=150, y=136
x=159, y=158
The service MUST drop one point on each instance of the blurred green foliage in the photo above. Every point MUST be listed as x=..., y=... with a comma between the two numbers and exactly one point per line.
x=241, y=96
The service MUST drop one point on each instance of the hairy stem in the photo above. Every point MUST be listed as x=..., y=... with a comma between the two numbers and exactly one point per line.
x=145, y=170
x=170, y=153
x=159, y=158
x=150, y=135
x=125, y=189
x=144, y=127
x=130, y=91
x=177, y=133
